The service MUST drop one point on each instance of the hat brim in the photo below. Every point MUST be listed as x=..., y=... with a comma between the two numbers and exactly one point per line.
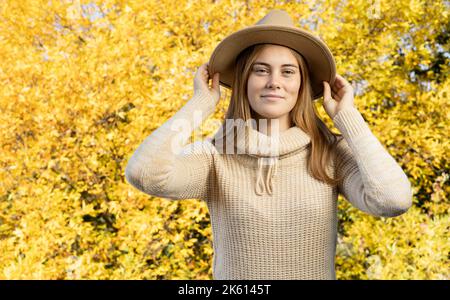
x=320, y=61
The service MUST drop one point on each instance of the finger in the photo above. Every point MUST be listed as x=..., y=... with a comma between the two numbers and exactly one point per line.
x=334, y=88
x=338, y=88
x=204, y=69
x=326, y=91
x=335, y=96
x=337, y=83
x=215, y=82
x=342, y=81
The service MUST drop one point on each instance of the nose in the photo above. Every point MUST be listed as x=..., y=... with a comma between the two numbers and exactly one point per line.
x=273, y=82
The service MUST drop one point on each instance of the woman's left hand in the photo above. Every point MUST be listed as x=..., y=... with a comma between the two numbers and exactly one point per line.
x=338, y=96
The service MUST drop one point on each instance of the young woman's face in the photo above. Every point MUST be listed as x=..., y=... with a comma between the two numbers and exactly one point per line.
x=279, y=75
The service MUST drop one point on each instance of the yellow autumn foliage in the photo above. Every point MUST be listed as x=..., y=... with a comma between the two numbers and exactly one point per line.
x=83, y=83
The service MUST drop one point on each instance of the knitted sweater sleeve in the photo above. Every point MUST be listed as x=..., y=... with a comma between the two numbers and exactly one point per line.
x=372, y=180
x=164, y=166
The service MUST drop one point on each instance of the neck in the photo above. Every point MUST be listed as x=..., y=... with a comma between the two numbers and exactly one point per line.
x=273, y=126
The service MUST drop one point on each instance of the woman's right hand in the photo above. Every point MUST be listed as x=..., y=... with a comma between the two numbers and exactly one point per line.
x=201, y=83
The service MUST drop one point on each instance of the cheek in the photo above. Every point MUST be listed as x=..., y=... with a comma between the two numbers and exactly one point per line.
x=254, y=84
x=294, y=90
x=294, y=87
x=292, y=103
x=253, y=90
x=251, y=86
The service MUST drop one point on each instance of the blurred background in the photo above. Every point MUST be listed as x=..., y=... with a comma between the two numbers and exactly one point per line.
x=83, y=83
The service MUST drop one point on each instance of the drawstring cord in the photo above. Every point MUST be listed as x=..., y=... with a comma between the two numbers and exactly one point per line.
x=267, y=184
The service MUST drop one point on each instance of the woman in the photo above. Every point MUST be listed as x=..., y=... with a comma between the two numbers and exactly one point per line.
x=273, y=208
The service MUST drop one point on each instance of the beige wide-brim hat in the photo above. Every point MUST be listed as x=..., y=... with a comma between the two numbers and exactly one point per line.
x=275, y=28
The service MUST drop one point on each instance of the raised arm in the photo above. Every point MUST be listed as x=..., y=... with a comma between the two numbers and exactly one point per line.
x=163, y=165
x=373, y=181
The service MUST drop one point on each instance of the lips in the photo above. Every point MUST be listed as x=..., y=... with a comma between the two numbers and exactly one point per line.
x=272, y=96
x=273, y=99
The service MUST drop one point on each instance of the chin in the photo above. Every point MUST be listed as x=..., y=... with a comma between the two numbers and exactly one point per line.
x=270, y=115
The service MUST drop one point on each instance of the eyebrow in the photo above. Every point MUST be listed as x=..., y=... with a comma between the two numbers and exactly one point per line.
x=266, y=64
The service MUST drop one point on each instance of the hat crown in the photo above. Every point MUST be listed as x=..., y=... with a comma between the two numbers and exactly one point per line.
x=276, y=17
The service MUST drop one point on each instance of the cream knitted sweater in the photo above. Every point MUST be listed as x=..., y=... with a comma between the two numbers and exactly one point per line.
x=270, y=219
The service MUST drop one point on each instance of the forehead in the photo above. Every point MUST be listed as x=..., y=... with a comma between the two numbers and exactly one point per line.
x=276, y=55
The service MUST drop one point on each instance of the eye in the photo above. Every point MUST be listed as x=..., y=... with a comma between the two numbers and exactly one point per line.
x=287, y=71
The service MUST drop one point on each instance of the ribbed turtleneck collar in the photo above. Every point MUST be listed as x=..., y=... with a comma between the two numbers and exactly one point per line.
x=268, y=150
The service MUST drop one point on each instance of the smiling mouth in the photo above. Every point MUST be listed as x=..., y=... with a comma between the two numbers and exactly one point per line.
x=270, y=98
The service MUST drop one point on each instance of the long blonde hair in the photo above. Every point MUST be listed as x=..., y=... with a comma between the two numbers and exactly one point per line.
x=321, y=150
